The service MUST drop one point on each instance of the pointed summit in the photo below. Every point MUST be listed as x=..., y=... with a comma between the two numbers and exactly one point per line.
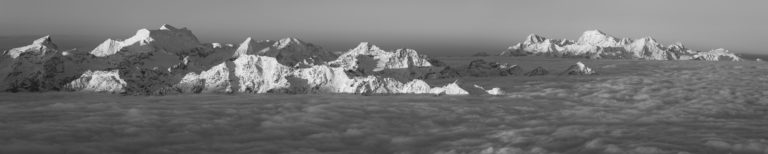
x=167, y=27
x=579, y=69
x=43, y=40
x=244, y=48
x=595, y=32
x=166, y=39
x=40, y=46
x=598, y=38
x=285, y=42
x=649, y=39
x=533, y=38
x=365, y=46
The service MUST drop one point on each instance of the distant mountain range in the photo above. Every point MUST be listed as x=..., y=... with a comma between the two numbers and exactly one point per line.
x=171, y=60
x=595, y=44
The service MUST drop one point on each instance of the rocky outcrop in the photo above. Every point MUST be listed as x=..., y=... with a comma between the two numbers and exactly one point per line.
x=537, y=72
x=40, y=66
x=596, y=44
x=578, y=69
x=492, y=91
x=482, y=68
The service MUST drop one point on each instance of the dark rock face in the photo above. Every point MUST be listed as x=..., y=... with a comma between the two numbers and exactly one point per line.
x=537, y=71
x=482, y=68
x=578, y=69
x=37, y=67
x=292, y=52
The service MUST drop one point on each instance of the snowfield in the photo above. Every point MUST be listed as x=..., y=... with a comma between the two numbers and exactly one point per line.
x=630, y=106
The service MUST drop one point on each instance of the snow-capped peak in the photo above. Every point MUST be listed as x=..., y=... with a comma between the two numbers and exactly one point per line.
x=43, y=40
x=167, y=38
x=676, y=46
x=285, y=42
x=595, y=32
x=248, y=39
x=580, y=65
x=167, y=27
x=533, y=38
x=365, y=46
x=141, y=35
x=40, y=46
x=597, y=38
x=648, y=39
x=245, y=45
x=579, y=69
x=244, y=48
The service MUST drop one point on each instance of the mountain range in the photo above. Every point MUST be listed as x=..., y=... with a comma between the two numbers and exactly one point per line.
x=595, y=44
x=171, y=60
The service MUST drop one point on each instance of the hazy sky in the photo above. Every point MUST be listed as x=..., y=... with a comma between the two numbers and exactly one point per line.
x=438, y=26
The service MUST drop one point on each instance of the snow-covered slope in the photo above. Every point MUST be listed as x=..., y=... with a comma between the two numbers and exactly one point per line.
x=597, y=44
x=98, y=81
x=380, y=59
x=263, y=74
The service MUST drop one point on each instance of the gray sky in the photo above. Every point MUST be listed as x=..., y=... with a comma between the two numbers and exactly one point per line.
x=449, y=27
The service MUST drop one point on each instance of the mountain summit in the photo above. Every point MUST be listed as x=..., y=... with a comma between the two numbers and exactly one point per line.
x=166, y=39
x=41, y=46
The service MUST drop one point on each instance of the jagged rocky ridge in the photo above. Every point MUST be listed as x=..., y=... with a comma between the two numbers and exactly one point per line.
x=596, y=44
x=172, y=60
